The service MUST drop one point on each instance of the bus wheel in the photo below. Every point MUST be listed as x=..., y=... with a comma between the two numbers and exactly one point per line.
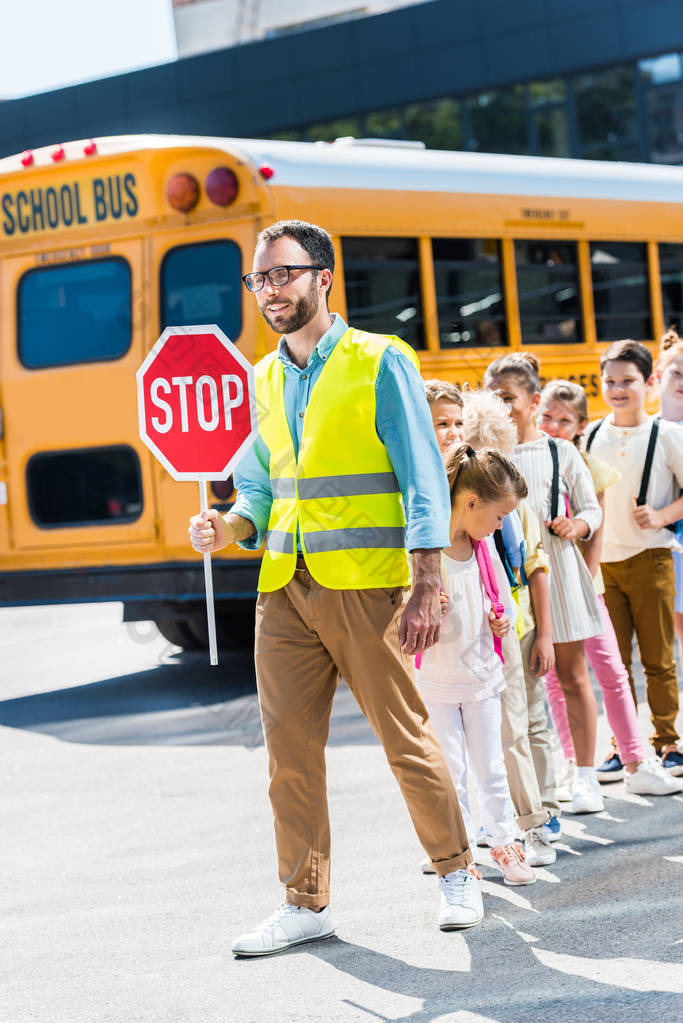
x=178, y=632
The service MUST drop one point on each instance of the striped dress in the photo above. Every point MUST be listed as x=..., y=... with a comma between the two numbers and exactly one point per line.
x=573, y=602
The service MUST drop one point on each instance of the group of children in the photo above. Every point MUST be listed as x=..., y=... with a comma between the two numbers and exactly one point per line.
x=563, y=545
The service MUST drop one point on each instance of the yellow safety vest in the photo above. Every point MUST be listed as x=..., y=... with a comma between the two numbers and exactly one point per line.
x=341, y=491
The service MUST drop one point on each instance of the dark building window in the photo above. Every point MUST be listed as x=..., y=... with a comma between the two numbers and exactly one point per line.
x=382, y=277
x=621, y=290
x=671, y=273
x=469, y=293
x=548, y=288
x=200, y=284
x=498, y=121
x=606, y=108
x=75, y=313
x=328, y=131
x=94, y=486
x=437, y=124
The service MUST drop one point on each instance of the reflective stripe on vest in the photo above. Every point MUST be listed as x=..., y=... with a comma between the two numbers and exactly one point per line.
x=342, y=494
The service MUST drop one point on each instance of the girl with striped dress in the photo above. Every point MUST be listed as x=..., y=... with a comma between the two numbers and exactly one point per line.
x=574, y=606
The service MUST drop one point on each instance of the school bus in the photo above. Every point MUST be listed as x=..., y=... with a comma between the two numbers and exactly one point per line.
x=105, y=242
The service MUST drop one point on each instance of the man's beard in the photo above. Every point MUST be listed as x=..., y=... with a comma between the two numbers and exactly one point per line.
x=302, y=312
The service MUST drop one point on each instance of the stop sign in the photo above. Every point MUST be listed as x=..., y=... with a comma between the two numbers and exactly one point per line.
x=196, y=403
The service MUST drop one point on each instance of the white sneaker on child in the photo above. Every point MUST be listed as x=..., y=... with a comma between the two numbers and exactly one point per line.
x=565, y=783
x=587, y=797
x=539, y=851
x=651, y=779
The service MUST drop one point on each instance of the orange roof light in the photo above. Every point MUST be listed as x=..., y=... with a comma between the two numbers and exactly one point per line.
x=182, y=192
x=222, y=186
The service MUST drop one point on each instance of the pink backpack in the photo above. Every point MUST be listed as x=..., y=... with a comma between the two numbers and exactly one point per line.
x=488, y=577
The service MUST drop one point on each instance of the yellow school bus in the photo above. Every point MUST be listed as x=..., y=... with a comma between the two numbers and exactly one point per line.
x=104, y=243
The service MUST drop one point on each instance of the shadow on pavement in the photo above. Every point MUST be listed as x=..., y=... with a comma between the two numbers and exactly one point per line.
x=182, y=702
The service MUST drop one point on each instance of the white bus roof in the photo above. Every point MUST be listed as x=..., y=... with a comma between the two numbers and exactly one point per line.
x=349, y=163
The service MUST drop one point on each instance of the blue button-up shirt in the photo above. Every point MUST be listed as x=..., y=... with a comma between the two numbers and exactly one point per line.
x=403, y=423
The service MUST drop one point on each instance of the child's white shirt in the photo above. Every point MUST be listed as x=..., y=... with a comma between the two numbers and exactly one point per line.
x=463, y=665
x=624, y=448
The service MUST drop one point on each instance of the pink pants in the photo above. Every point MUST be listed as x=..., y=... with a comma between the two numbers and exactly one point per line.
x=605, y=660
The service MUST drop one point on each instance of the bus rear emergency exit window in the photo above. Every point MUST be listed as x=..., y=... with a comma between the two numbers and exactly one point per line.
x=75, y=313
x=86, y=487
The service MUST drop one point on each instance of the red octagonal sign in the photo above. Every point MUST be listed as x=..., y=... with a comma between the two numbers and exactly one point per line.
x=196, y=403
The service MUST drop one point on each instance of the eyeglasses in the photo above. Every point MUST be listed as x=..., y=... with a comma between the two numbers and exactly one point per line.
x=277, y=275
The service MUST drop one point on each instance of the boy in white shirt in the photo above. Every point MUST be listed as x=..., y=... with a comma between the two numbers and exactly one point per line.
x=637, y=560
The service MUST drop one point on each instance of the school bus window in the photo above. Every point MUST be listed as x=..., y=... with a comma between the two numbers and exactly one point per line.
x=382, y=278
x=469, y=292
x=621, y=290
x=91, y=486
x=548, y=286
x=671, y=275
x=75, y=313
x=201, y=284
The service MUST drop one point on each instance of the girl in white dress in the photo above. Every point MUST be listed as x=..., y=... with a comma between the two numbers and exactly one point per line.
x=461, y=677
x=573, y=602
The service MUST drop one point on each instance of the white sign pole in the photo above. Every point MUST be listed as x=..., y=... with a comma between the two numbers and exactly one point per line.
x=208, y=584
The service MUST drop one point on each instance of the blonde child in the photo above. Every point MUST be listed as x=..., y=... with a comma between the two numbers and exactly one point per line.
x=574, y=606
x=461, y=678
x=446, y=406
x=669, y=376
x=563, y=413
x=636, y=560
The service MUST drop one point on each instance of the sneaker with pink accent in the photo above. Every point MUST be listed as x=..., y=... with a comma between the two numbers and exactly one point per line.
x=511, y=861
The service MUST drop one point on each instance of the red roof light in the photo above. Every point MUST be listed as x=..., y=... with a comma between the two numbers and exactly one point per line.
x=27, y=159
x=91, y=148
x=222, y=186
x=266, y=171
x=58, y=154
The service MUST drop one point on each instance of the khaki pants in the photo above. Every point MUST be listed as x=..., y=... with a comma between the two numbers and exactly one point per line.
x=305, y=636
x=539, y=735
x=639, y=593
x=519, y=763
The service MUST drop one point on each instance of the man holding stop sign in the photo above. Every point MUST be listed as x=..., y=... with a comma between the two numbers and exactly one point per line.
x=344, y=479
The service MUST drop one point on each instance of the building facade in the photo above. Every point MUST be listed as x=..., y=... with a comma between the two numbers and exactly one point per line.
x=597, y=79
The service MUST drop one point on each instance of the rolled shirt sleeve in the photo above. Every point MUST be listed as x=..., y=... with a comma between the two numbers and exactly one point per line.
x=254, y=494
x=404, y=425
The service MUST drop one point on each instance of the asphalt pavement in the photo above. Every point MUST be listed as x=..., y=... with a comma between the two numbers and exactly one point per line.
x=137, y=841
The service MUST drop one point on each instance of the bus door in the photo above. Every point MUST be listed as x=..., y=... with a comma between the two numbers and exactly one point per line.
x=72, y=333
x=198, y=277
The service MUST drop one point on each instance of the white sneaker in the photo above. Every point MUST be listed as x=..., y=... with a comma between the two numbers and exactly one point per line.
x=288, y=925
x=651, y=779
x=565, y=783
x=539, y=851
x=426, y=866
x=461, y=904
x=587, y=797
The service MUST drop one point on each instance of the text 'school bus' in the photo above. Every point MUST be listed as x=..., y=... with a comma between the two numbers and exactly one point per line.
x=104, y=243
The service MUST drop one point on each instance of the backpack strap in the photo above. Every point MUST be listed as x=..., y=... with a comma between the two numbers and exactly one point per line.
x=488, y=577
x=592, y=432
x=504, y=557
x=647, y=467
x=555, y=482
